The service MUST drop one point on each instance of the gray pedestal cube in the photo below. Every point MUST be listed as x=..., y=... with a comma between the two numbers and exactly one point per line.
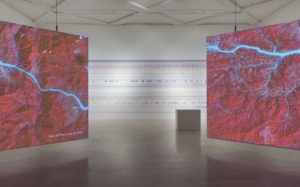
x=188, y=120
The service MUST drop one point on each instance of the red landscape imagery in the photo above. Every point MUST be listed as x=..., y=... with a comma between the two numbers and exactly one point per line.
x=43, y=86
x=254, y=86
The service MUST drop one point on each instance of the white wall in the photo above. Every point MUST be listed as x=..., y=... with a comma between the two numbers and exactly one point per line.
x=290, y=12
x=141, y=42
x=138, y=42
x=146, y=42
x=10, y=15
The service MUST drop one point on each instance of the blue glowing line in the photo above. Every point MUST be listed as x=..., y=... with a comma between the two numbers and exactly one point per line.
x=259, y=50
x=32, y=77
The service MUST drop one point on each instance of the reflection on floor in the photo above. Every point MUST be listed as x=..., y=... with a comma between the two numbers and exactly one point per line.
x=149, y=153
x=73, y=174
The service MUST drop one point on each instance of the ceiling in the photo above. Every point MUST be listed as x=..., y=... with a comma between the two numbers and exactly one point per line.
x=147, y=12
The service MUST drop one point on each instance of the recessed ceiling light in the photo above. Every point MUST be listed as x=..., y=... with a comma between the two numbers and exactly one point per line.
x=138, y=5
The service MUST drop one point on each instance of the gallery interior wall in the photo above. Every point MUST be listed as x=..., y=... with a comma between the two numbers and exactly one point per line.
x=129, y=43
x=141, y=42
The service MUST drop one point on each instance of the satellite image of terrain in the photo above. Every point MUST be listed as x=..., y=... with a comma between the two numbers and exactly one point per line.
x=43, y=86
x=254, y=85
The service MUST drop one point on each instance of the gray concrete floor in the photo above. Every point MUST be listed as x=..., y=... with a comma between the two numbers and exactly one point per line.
x=149, y=153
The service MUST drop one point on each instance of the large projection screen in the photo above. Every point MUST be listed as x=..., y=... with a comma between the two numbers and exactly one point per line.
x=43, y=86
x=253, y=86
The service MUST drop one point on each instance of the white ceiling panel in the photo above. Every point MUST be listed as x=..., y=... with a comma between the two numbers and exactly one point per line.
x=27, y=9
x=264, y=10
x=223, y=19
x=107, y=17
x=70, y=19
x=191, y=5
x=99, y=5
x=125, y=12
x=189, y=17
x=146, y=18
